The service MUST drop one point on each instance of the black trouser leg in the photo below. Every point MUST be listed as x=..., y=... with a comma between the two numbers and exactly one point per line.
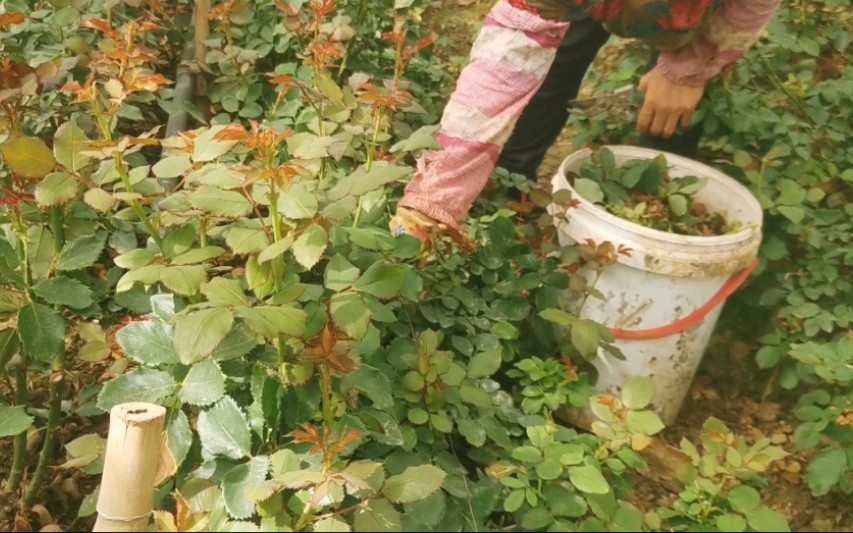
x=545, y=116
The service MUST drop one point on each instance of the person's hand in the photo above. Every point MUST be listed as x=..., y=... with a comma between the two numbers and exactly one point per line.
x=666, y=105
x=410, y=222
x=416, y=224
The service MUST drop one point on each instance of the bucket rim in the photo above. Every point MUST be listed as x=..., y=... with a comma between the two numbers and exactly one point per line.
x=737, y=237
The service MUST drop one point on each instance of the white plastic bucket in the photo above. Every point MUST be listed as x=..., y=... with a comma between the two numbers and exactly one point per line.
x=666, y=283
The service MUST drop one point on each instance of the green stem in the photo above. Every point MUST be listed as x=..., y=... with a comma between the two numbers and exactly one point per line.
x=276, y=216
x=276, y=264
x=16, y=475
x=57, y=225
x=321, y=128
x=304, y=518
x=371, y=154
x=57, y=384
x=106, y=134
x=774, y=78
x=326, y=398
x=282, y=356
x=351, y=49
x=149, y=227
x=276, y=231
x=202, y=232
x=137, y=207
x=20, y=230
x=358, y=210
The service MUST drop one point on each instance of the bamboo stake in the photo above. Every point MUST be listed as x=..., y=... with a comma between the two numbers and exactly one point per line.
x=130, y=466
x=202, y=29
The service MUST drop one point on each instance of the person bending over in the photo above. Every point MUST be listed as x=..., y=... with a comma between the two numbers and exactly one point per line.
x=510, y=102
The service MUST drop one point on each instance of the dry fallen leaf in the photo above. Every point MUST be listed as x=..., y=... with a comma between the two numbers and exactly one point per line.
x=793, y=467
x=768, y=411
x=45, y=518
x=166, y=466
x=779, y=438
x=71, y=488
x=22, y=523
x=640, y=442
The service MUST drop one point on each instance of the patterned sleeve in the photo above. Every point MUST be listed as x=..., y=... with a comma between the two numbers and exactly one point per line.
x=509, y=60
x=729, y=33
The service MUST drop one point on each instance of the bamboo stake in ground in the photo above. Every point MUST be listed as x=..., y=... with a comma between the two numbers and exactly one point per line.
x=202, y=29
x=130, y=466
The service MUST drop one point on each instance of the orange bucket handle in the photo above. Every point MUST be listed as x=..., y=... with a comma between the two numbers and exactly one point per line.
x=694, y=318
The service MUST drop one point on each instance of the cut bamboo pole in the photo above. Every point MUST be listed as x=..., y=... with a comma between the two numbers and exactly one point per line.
x=130, y=466
x=202, y=29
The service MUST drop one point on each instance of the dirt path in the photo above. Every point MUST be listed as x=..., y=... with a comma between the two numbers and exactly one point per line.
x=728, y=385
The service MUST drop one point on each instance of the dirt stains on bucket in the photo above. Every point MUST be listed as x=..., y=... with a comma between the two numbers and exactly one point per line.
x=671, y=266
x=633, y=317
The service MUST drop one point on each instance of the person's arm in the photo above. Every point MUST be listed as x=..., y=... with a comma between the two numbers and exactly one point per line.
x=675, y=86
x=731, y=31
x=509, y=60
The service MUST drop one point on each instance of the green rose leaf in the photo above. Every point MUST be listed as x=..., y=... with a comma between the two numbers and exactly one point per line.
x=179, y=436
x=197, y=334
x=55, y=189
x=81, y=252
x=381, y=280
x=731, y=523
x=586, y=337
x=484, y=364
x=236, y=483
x=223, y=291
x=309, y=247
x=61, y=290
x=269, y=320
x=414, y=484
x=379, y=516
x=589, y=189
x=351, y=314
x=744, y=499
x=68, y=143
x=826, y=471
x=224, y=430
x=588, y=479
x=340, y=274
x=637, y=393
x=765, y=519
x=645, y=422
x=140, y=385
x=42, y=332
x=204, y=384
x=298, y=203
x=148, y=342
x=219, y=203
x=184, y=280
x=14, y=420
